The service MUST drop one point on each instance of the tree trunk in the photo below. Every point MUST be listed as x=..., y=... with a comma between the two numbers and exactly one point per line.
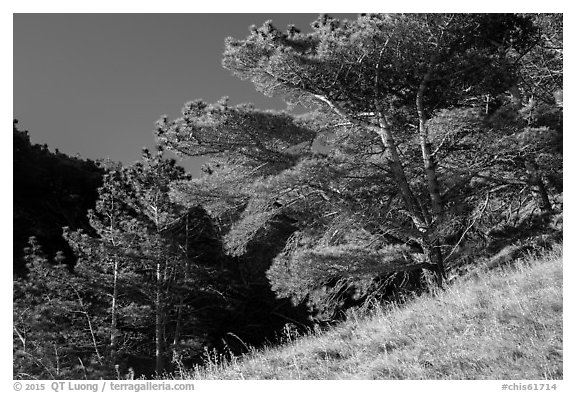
x=434, y=251
x=177, y=332
x=159, y=322
x=433, y=256
x=90, y=327
x=418, y=215
x=538, y=187
x=439, y=262
x=427, y=157
x=431, y=177
x=178, y=329
x=114, y=316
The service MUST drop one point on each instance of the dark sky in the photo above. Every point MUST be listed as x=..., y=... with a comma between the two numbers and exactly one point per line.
x=94, y=84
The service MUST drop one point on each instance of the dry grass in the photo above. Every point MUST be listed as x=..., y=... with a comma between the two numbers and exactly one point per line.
x=499, y=324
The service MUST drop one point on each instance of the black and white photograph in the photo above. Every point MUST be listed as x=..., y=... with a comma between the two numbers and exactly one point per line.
x=287, y=196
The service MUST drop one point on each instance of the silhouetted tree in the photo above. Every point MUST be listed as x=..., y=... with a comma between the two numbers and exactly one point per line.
x=50, y=191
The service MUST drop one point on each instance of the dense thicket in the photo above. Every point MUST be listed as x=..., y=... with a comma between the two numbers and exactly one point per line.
x=151, y=288
x=51, y=190
x=431, y=142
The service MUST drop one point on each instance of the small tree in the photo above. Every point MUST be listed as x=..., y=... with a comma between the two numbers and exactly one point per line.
x=58, y=330
x=142, y=263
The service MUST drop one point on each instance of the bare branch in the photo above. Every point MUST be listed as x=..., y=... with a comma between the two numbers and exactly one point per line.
x=469, y=227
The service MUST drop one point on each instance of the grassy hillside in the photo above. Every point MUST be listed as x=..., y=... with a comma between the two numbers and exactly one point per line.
x=499, y=324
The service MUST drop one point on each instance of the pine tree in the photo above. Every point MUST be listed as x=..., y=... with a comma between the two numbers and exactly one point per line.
x=138, y=259
x=57, y=327
x=388, y=166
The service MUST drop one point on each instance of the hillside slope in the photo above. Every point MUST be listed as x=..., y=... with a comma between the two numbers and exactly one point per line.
x=499, y=324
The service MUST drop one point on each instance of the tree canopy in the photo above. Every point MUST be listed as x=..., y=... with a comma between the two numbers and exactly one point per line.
x=421, y=144
x=401, y=154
